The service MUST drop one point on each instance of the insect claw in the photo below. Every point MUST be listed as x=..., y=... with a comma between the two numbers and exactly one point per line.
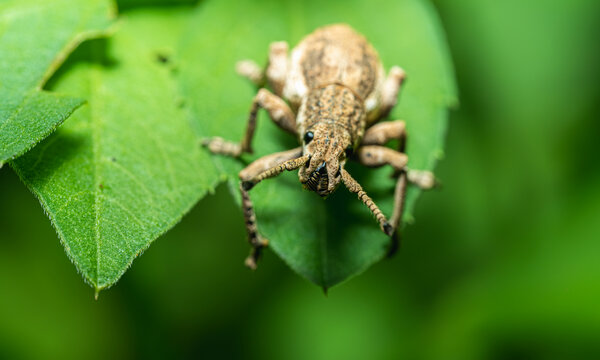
x=264, y=242
x=388, y=229
x=250, y=262
x=422, y=178
x=394, y=245
x=247, y=185
x=257, y=245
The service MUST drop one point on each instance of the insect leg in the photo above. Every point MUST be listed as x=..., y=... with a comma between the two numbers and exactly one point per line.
x=251, y=71
x=354, y=187
x=257, y=242
x=389, y=92
x=255, y=168
x=279, y=112
x=383, y=132
x=376, y=156
x=278, y=66
x=276, y=70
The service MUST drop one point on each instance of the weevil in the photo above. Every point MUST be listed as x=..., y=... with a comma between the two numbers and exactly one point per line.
x=337, y=91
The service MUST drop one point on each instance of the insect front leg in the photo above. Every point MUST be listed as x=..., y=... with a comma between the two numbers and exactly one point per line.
x=373, y=154
x=383, y=132
x=376, y=156
x=380, y=134
x=270, y=164
x=279, y=112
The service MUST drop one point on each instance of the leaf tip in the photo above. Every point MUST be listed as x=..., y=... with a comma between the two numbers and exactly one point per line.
x=325, y=290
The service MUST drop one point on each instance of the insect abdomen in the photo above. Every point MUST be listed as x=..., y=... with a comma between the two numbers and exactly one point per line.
x=337, y=54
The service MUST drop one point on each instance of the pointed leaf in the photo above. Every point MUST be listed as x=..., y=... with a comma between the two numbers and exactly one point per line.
x=126, y=167
x=35, y=37
x=332, y=240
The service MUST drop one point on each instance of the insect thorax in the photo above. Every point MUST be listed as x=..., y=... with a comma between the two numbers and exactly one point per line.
x=336, y=107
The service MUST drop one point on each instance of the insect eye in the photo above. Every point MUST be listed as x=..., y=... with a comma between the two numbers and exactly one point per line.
x=349, y=151
x=308, y=136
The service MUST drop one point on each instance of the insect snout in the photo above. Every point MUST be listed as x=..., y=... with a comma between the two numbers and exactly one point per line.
x=318, y=180
x=321, y=169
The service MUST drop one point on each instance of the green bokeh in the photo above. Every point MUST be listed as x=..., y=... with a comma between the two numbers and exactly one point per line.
x=502, y=262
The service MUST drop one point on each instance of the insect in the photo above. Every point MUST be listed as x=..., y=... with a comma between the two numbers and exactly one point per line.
x=337, y=92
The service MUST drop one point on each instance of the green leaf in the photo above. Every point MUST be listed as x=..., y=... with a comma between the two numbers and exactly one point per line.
x=324, y=241
x=126, y=167
x=35, y=38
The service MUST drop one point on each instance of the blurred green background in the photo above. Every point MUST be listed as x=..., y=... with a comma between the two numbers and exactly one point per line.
x=502, y=263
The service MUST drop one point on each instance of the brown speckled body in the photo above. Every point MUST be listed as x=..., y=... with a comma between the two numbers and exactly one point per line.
x=337, y=91
x=337, y=54
x=334, y=75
